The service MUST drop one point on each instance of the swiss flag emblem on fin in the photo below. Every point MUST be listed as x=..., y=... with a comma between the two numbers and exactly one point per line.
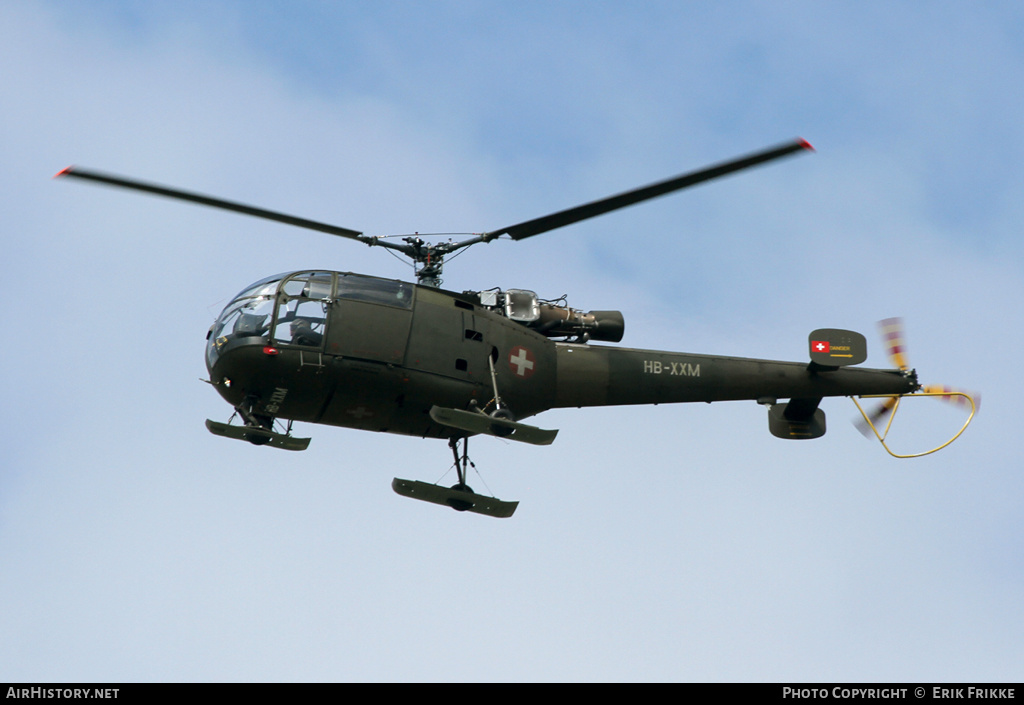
x=820, y=346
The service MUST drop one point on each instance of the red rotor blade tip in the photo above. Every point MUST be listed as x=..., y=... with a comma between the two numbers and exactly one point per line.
x=63, y=172
x=805, y=144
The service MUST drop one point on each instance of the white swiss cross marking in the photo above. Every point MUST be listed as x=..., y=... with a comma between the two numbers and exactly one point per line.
x=820, y=346
x=520, y=361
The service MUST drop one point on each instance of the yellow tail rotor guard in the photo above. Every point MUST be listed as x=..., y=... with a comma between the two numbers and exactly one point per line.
x=925, y=393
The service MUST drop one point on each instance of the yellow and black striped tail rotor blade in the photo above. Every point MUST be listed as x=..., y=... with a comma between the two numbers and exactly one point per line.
x=954, y=396
x=892, y=333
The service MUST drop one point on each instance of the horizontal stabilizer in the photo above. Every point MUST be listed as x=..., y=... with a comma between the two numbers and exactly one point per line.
x=461, y=500
x=475, y=422
x=257, y=436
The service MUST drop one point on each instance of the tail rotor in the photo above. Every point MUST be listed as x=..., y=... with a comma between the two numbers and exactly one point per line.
x=870, y=421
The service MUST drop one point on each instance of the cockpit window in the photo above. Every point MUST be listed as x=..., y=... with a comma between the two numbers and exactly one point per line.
x=311, y=285
x=247, y=317
x=264, y=287
x=301, y=322
x=302, y=309
x=379, y=291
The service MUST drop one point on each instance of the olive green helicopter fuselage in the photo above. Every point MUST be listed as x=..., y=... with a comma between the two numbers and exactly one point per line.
x=374, y=354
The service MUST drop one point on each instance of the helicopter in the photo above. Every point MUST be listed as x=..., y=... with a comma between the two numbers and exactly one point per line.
x=375, y=354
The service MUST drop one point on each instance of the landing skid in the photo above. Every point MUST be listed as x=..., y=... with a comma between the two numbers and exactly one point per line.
x=463, y=500
x=477, y=422
x=257, y=436
x=459, y=497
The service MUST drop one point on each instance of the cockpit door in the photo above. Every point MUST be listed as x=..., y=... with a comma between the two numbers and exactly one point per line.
x=370, y=319
x=302, y=305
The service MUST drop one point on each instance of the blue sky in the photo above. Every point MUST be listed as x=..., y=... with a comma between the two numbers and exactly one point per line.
x=661, y=543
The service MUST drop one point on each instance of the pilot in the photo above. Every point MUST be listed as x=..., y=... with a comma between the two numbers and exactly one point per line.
x=303, y=333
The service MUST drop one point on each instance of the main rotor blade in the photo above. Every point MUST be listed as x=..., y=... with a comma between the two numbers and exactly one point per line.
x=629, y=198
x=217, y=203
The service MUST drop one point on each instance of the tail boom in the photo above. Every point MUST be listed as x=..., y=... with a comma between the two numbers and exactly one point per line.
x=590, y=375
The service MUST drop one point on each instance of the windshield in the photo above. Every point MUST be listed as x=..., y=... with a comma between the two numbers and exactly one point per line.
x=247, y=316
x=289, y=309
